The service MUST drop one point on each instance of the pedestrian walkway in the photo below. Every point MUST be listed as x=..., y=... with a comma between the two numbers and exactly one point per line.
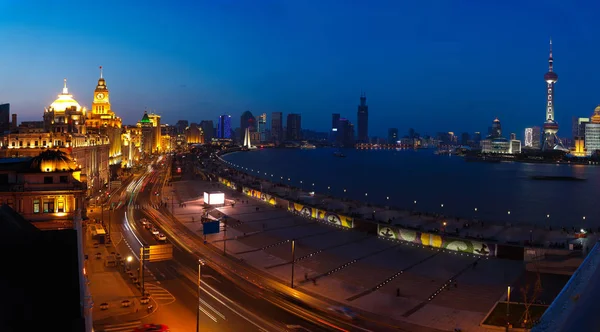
x=122, y=327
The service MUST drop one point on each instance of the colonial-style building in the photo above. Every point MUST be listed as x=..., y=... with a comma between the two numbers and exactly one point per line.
x=47, y=187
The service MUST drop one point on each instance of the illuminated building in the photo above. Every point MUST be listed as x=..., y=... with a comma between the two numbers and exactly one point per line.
x=262, y=128
x=362, y=119
x=528, y=137
x=551, y=141
x=579, y=150
x=495, y=143
x=155, y=119
x=102, y=120
x=592, y=133
x=64, y=127
x=193, y=134
x=147, y=145
x=515, y=146
x=294, y=127
x=131, y=138
x=277, y=127
x=224, y=126
x=47, y=187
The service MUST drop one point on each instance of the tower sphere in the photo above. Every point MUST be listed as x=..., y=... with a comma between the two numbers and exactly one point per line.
x=551, y=77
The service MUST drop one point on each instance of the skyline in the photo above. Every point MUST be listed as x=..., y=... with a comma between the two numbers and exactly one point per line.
x=309, y=59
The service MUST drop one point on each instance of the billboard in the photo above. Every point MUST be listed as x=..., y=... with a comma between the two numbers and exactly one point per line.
x=259, y=195
x=227, y=183
x=436, y=240
x=321, y=215
x=214, y=198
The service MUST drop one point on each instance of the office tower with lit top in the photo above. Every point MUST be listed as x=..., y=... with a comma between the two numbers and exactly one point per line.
x=551, y=141
x=224, y=126
x=277, y=127
x=362, y=118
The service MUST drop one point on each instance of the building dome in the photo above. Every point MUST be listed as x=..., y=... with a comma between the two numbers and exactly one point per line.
x=65, y=101
x=551, y=77
x=596, y=116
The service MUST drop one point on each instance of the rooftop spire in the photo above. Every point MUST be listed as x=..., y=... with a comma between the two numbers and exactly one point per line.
x=550, y=59
x=65, y=89
x=100, y=71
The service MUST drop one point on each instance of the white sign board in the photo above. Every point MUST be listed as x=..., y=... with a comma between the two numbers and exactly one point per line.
x=214, y=198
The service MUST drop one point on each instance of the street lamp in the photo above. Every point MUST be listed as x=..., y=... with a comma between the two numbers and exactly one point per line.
x=301, y=187
x=366, y=194
x=508, y=309
x=201, y=263
x=293, y=259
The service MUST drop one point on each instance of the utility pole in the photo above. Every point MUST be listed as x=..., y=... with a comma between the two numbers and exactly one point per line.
x=200, y=263
x=293, y=259
x=224, y=238
x=142, y=270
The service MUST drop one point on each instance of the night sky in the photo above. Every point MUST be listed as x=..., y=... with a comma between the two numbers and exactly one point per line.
x=432, y=65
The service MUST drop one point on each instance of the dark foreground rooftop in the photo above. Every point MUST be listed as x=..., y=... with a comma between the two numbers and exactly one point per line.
x=39, y=282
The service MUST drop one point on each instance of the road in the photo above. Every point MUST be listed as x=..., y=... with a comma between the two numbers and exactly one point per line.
x=173, y=283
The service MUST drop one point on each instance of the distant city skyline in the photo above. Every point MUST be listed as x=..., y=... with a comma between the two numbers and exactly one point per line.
x=258, y=60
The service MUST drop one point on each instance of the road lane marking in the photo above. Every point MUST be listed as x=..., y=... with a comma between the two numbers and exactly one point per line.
x=207, y=313
x=213, y=309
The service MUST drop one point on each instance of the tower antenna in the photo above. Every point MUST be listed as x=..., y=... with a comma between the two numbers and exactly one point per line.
x=65, y=90
x=100, y=71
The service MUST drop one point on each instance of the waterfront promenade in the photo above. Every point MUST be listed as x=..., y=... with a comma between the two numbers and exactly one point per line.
x=388, y=279
x=530, y=235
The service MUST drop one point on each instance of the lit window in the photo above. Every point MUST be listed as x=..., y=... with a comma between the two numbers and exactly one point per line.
x=36, y=206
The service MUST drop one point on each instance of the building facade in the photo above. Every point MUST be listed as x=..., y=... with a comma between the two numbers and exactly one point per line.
x=102, y=120
x=224, y=126
x=247, y=120
x=592, y=133
x=262, y=127
x=392, y=136
x=277, y=127
x=4, y=118
x=294, y=127
x=362, y=119
x=47, y=187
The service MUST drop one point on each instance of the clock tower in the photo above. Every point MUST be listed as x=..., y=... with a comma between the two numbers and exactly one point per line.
x=101, y=103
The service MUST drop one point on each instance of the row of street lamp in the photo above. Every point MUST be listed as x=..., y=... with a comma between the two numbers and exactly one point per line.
x=345, y=190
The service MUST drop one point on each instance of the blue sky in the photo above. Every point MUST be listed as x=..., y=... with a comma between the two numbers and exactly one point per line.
x=431, y=65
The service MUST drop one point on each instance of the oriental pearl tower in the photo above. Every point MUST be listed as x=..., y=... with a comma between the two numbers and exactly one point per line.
x=551, y=141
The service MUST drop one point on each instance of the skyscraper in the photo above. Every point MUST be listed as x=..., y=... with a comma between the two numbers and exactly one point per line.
x=262, y=127
x=208, y=129
x=362, y=119
x=345, y=133
x=464, y=139
x=528, y=137
x=224, y=126
x=247, y=120
x=536, y=137
x=335, y=123
x=551, y=141
x=392, y=135
x=276, y=127
x=4, y=118
x=592, y=133
x=294, y=127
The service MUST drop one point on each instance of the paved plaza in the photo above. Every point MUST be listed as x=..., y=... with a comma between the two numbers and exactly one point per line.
x=399, y=280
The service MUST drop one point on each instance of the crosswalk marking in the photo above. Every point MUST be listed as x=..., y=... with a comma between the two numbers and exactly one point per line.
x=129, y=326
x=159, y=294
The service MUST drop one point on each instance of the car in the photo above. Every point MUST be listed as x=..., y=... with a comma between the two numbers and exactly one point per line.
x=152, y=327
x=144, y=222
x=161, y=237
x=155, y=231
x=148, y=225
x=343, y=312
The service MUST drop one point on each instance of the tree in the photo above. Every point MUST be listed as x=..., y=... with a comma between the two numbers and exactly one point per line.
x=55, y=157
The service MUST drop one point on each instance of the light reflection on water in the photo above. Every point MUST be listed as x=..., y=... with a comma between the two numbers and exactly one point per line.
x=431, y=180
